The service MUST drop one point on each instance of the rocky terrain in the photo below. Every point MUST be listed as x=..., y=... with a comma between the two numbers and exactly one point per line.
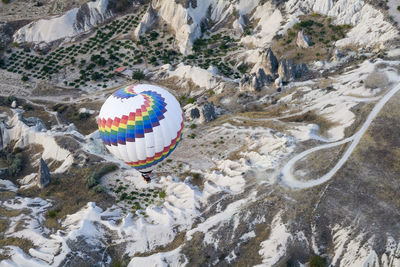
x=290, y=149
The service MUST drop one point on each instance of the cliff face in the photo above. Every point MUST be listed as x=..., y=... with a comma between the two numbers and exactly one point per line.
x=187, y=17
x=71, y=24
x=370, y=27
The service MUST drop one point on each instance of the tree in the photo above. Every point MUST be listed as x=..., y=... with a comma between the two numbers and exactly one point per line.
x=96, y=76
x=138, y=75
x=24, y=78
x=317, y=261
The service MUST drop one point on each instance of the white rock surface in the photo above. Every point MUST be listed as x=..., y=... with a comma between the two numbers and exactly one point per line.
x=302, y=40
x=370, y=27
x=72, y=23
x=201, y=77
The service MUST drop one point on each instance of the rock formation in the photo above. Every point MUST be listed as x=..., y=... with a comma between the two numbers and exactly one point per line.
x=69, y=25
x=209, y=112
x=289, y=71
x=284, y=70
x=147, y=21
x=5, y=35
x=302, y=40
x=269, y=63
x=255, y=81
x=194, y=113
x=337, y=55
x=43, y=178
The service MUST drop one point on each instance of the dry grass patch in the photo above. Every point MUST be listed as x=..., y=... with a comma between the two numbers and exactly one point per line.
x=22, y=243
x=39, y=112
x=312, y=117
x=321, y=34
x=320, y=162
x=70, y=193
x=84, y=122
x=9, y=213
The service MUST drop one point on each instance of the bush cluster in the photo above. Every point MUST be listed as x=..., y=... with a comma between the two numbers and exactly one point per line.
x=15, y=164
x=92, y=181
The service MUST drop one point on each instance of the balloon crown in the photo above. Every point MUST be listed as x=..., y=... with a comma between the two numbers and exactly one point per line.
x=126, y=92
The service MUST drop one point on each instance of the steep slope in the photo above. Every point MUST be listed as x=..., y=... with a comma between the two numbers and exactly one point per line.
x=71, y=24
x=370, y=26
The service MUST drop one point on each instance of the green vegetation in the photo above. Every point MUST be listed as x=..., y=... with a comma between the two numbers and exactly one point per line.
x=317, y=261
x=138, y=75
x=321, y=34
x=52, y=213
x=105, y=51
x=15, y=164
x=93, y=179
x=137, y=199
x=191, y=100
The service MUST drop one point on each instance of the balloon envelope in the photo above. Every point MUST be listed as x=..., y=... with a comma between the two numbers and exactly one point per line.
x=141, y=124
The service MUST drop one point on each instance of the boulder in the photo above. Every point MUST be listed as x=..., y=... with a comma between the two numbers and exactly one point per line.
x=337, y=55
x=255, y=81
x=299, y=71
x=33, y=122
x=194, y=113
x=278, y=82
x=209, y=112
x=147, y=21
x=269, y=63
x=6, y=32
x=302, y=40
x=2, y=126
x=43, y=178
x=284, y=70
x=289, y=71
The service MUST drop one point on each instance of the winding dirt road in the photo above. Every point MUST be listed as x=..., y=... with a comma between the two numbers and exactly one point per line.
x=287, y=177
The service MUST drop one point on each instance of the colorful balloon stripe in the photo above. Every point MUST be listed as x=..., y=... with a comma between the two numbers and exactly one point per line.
x=127, y=128
x=125, y=92
x=150, y=161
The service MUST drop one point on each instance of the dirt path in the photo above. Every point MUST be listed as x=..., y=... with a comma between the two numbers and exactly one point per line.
x=287, y=177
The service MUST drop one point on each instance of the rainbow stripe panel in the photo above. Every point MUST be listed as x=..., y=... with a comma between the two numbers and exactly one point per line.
x=119, y=131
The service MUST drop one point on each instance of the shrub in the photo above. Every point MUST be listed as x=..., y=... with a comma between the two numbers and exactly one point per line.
x=317, y=261
x=15, y=164
x=27, y=107
x=83, y=115
x=191, y=100
x=243, y=68
x=92, y=180
x=138, y=75
x=52, y=213
x=193, y=126
x=96, y=76
x=162, y=194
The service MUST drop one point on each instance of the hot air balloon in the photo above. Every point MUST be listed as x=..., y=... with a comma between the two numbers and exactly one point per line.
x=141, y=125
